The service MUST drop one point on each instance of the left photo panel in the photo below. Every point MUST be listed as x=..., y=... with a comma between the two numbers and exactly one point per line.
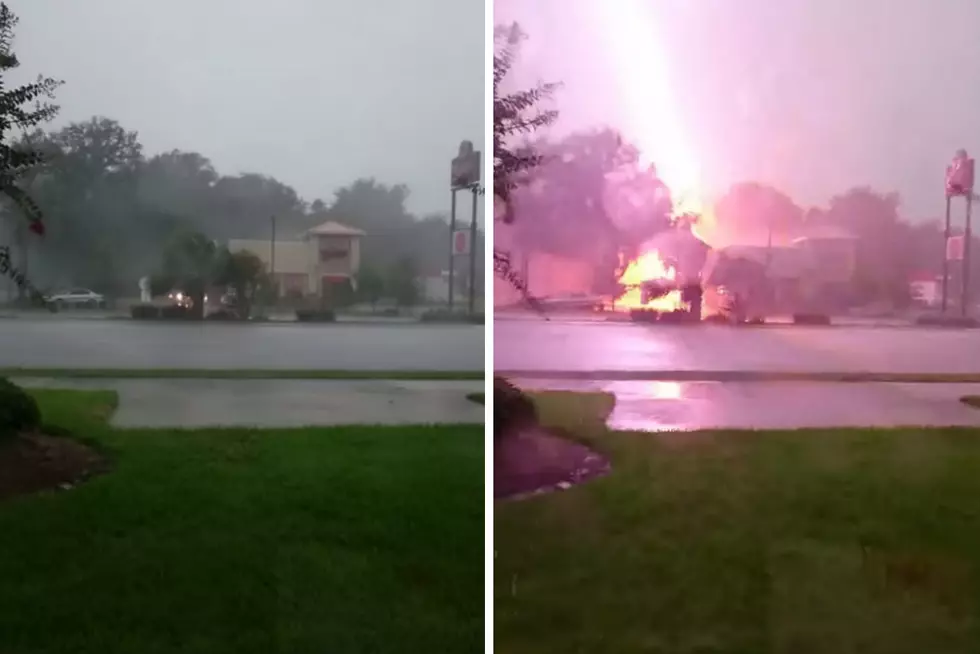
x=242, y=343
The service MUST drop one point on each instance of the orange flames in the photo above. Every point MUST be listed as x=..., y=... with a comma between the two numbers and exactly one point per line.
x=655, y=123
x=649, y=266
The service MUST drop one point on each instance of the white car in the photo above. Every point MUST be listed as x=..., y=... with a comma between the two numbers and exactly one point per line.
x=77, y=297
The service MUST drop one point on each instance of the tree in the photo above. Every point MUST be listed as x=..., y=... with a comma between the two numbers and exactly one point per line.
x=752, y=212
x=379, y=210
x=100, y=235
x=884, y=243
x=18, y=159
x=245, y=273
x=514, y=114
x=179, y=183
x=591, y=199
x=240, y=207
x=370, y=285
x=403, y=283
x=193, y=262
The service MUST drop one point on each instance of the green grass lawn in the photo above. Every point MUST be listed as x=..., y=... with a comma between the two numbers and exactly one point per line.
x=796, y=542
x=310, y=540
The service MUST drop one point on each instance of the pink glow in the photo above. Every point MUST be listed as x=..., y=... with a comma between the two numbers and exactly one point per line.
x=810, y=96
x=632, y=45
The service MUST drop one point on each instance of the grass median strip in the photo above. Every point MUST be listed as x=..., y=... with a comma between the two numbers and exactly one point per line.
x=733, y=541
x=746, y=376
x=239, y=540
x=221, y=373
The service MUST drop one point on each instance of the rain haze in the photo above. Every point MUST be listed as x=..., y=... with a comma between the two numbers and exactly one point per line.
x=316, y=94
x=229, y=222
x=811, y=97
x=230, y=160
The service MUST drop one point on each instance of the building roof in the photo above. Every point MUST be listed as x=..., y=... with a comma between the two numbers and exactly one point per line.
x=924, y=276
x=331, y=228
x=778, y=262
x=817, y=232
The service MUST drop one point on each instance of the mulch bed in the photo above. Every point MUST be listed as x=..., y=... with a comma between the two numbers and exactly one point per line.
x=535, y=460
x=37, y=462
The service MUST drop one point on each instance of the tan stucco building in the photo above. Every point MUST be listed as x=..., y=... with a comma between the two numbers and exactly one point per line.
x=311, y=265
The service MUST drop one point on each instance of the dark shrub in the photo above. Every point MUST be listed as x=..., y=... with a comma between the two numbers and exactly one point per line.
x=447, y=316
x=643, y=315
x=18, y=410
x=810, y=319
x=176, y=312
x=315, y=315
x=223, y=314
x=144, y=312
x=941, y=320
x=678, y=317
x=512, y=409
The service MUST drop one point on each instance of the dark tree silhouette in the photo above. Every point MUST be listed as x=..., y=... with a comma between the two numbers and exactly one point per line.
x=17, y=159
x=514, y=114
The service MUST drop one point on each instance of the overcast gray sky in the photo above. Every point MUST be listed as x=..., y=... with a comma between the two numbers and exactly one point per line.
x=314, y=92
x=813, y=96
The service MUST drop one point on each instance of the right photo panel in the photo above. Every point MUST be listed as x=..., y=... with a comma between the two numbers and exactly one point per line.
x=736, y=364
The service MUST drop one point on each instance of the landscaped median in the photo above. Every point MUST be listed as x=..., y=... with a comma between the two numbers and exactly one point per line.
x=349, y=539
x=727, y=541
x=706, y=375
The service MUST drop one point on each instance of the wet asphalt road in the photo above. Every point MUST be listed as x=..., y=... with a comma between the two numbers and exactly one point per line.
x=124, y=344
x=536, y=345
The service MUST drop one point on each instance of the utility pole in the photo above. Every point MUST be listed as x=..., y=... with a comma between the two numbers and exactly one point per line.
x=452, y=247
x=946, y=233
x=966, y=257
x=464, y=173
x=272, y=260
x=472, y=305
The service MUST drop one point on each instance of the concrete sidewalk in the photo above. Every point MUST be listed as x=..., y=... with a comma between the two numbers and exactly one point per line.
x=281, y=403
x=688, y=406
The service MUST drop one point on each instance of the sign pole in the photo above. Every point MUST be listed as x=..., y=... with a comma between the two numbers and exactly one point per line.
x=464, y=174
x=946, y=256
x=966, y=255
x=452, y=245
x=472, y=304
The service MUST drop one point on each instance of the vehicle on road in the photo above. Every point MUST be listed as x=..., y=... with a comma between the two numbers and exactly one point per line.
x=182, y=299
x=77, y=298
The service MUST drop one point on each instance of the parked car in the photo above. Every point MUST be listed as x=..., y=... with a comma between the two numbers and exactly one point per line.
x=77, y=297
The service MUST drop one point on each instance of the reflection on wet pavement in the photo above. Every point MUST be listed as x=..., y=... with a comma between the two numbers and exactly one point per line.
x=685, y=406
x=281, y=402
x=558, y=345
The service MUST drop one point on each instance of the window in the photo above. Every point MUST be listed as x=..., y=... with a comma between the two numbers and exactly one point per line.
x=332, y=249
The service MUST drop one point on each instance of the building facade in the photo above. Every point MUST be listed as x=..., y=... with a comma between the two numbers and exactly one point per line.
x=321, y=263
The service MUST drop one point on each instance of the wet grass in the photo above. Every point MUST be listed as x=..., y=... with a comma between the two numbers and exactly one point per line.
x=220, y=373
x=810, y=541
x=236, y=540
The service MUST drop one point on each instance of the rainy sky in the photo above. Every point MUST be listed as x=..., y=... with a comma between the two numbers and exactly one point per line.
x=812, y=96
x=314, y=93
